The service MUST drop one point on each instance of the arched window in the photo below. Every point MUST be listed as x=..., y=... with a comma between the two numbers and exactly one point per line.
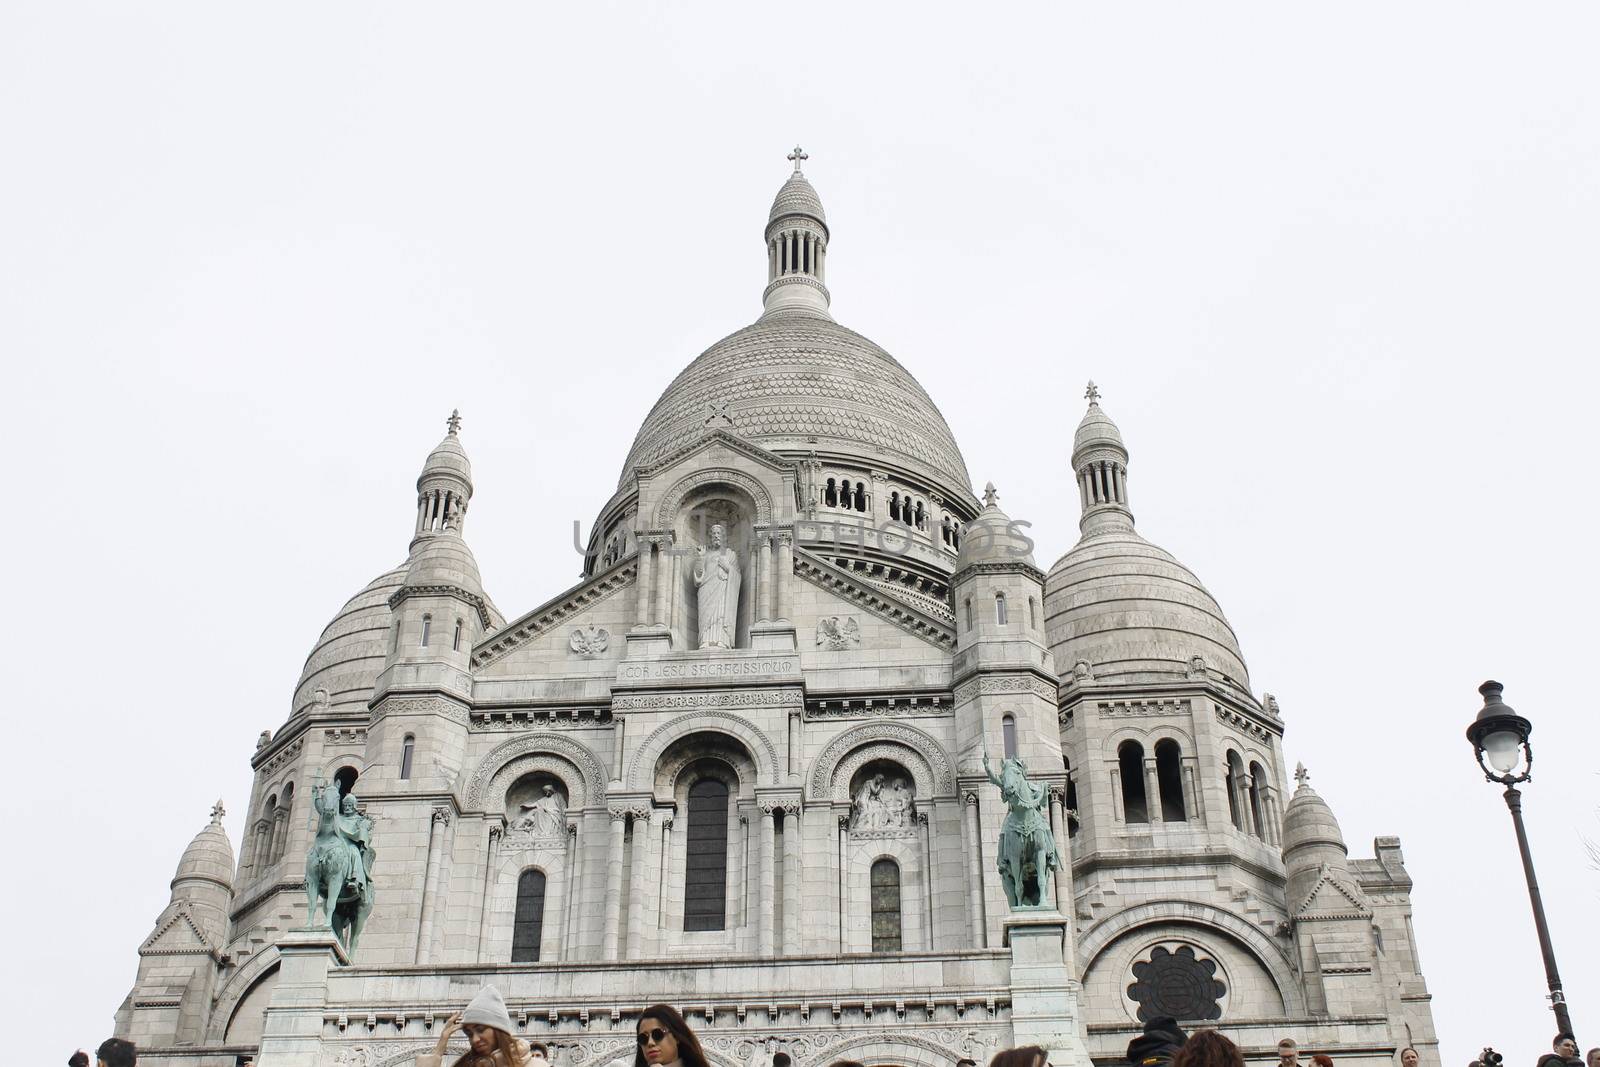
x=861, y=496
x=1071, y=813
x=408, y=751
x=705, y=876
x=528, y=928
x=1008, y=736
x=885, y=906
x=830, y=496
x=894, y=506
x=1000, y=609
x=1169, y=778
x=346, y=777
x=920, y=524
x=1233, y=776
x=1130, y=764
x=1258, y=813
x=427, y=628
x=969, y=613
x=455, y=645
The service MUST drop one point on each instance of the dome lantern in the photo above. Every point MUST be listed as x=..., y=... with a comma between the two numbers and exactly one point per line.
x=444, y=488
x=1100, y=461
x=797, y=248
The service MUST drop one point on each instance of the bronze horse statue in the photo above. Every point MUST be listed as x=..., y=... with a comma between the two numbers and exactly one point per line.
x=1027, y=847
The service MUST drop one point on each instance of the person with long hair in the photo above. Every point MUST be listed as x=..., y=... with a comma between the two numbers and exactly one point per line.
x=1022, y=1056
x=490, y=1043
x=1208, y=1049
x=1322, y=1060
x=665, y=1040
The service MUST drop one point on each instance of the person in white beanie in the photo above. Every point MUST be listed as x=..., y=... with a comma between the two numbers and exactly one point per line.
x=488, y=1028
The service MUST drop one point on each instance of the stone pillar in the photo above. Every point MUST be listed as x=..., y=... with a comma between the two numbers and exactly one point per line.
x=489, y=869
x=927, y=879
x=642, y=580
x=292, y=1036
x=843, y=885
x=764, y=578
x=822, y=264
x=791, y=879
x=1044, y=989
x=780, y=584
x=663, y=845
x=768, y=909
x=795, y=719
x=664, y=571
x=638, y=889
x=974, y=833
x=280, y=837
x=608, y=941
x=432, y=883
x=1058, y=827
x=570, y=910
x=1152, y=790
x=1117, y=813
x=1191, y=798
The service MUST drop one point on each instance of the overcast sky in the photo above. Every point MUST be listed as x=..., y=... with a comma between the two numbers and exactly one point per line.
x=1334, y=268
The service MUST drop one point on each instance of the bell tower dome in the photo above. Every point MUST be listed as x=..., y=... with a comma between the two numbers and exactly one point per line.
x=797, y=248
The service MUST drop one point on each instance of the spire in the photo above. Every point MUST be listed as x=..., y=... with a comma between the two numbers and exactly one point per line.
x=1100, y=462
x=797, y=248
x=445, y=486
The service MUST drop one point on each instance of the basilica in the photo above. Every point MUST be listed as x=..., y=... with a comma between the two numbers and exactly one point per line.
x=740, y=767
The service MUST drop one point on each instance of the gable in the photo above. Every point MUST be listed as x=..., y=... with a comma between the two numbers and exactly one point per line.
x=179, y=935
x=880, y=602
x=1332, y=898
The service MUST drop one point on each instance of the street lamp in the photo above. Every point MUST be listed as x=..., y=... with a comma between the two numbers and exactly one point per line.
x=1499, y=739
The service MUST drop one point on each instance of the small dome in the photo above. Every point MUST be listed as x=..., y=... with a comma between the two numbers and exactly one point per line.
x=797, y=197
x=1307, y=820
x=350, y=653
x=1134, y=613
x=1097, y=430
x=992, y=538
x=448, y=459
x=444, y=559
x=209, y=857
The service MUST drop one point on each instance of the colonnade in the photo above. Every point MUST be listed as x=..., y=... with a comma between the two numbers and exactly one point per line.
x=1103, y=482
x=769, y=563
x=797, y=252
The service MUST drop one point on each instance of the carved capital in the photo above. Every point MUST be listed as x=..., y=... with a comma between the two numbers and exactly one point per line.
x=441, y=816
x=785, y=538
x=494, y=834
x=640, y=814
x=617, y=814
x=970, y=797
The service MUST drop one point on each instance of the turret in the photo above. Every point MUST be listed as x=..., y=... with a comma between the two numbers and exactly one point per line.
x=797, y=248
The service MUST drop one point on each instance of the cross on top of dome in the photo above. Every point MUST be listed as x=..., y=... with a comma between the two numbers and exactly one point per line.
x=1302, y=775
x=454, y=421
x=1092, y=394
x=797, y=157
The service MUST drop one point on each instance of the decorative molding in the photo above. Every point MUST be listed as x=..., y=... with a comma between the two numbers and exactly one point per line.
x=1130, y=709
x=672, y=501
x=450, y=709
x=282, y=756
x=914, y=621
x=735, y=726
x=513, y=635
x=405, y=592
x=500, y=758
x=345, y=735
x=1243, y=723
x=539, y=719
x=756, y=698
x=901, y=705
x=1010, y=684
x=938, y=777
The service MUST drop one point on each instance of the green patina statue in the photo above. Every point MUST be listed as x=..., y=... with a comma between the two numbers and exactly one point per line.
x=339, y=865
x=1027, y=847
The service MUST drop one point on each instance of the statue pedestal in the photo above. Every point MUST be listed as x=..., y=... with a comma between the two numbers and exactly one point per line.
x=773, y=636
x=1044, y=991
x=650, y=643
x=293, y=1033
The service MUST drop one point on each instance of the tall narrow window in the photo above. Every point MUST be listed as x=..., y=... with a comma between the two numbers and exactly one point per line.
x=969, y=613
x=1071, y=813
x=1033, y=615
x=1130, y=765
x=830, y=495
x=885, y=906
x=455, y=644
x=705, y=876
x=408, y=751
x=427, y=629
x=394, y=638
x=1008, y=736
x=528, y=928
x=1000, y=609
x=1169, y=778
x=1258, y=812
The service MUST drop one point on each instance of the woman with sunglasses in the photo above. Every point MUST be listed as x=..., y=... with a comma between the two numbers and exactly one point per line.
x=489, y=1040
x=665, y=1040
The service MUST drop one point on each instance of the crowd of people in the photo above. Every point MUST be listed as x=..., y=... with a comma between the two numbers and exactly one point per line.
x=664, y=1039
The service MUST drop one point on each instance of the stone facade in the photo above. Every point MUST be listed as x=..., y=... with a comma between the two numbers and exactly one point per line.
x=890, y=629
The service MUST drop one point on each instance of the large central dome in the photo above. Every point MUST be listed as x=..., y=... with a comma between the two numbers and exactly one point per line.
x=796, y=381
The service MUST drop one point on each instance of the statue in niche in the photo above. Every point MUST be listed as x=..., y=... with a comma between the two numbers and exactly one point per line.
x=545, y=817
x=1028, y=850
x=716, y=580
x=882, y=803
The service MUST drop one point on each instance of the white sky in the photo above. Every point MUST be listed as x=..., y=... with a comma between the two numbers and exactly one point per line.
x=1334, y=268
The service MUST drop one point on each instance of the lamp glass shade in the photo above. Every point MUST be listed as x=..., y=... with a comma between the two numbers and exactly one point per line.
x=1503, y=749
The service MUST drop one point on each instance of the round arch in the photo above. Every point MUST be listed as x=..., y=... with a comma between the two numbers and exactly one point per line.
x=921, y=755
x=592, y=777
x=642, y=768
x=672, y=501
x=238, y=984
x=1206, y=917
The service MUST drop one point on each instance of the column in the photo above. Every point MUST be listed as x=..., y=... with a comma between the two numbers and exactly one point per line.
x=764, y=578
x=794, y=742
x=927, y=879
x=822, y=264
x=642, y=580
x=843, y=882
x=772, y=253
x=431, y=883
x=1058, y=827
x=768, y=908
x=663, y=573
x=280, y=836
x=569, y=948
x=780, y=584
x=791, y=879
x=1191, y=810
x=1117, y=813
x=1152, y=790
x=490, y=867
x=664, y=846
x=969, y=816
x=637, y=889
x=608, y=941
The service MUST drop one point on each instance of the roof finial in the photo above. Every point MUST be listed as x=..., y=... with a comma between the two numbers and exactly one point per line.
x=990, y=497
x=1092, y=394
x=217, y=811
x=797, y=157
x=454, y=421
x=1302, y=775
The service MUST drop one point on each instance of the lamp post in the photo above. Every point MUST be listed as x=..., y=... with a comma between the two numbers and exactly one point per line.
x=1500, y=737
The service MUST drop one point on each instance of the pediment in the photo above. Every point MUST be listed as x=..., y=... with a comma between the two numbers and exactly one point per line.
x=711, y=440
x=877, y=600
x=552, y=614
x=718, y=458
x=1332, y=898
x=180, y=934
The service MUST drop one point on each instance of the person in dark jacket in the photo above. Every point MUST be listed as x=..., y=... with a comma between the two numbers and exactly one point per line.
x=1155, y=1047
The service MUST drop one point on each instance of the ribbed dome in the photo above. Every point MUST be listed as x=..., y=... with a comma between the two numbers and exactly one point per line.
x=991, y=538
x=797, y=197
x=1134, y=613
x=1307, y=820
x=800, y=382
x=448, y=458
x=351, y=650
x=209, y=857
x=444, y=559
x=1096, y=429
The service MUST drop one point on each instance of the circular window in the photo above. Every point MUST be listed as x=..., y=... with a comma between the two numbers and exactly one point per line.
x=1178, y=983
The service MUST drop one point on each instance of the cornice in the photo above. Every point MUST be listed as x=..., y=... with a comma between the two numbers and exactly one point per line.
x=473, y=599
x=879, y=601
x=513, y=635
